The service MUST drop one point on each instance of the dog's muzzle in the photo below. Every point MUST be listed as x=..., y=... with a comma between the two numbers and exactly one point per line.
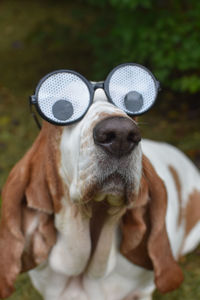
x=118, y=136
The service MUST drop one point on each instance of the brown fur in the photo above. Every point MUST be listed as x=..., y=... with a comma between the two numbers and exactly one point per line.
x=192, y=211
x=33, y=189
x=145, y=241
x=178, y=188
x=40, y=241
x=102, y=226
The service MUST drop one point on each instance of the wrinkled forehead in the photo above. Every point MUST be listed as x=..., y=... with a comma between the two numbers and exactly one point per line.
x=101, y=105
x=101, y=108
x=100, y=96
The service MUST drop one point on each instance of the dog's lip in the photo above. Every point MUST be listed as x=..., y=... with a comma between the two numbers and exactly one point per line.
x=113, y=200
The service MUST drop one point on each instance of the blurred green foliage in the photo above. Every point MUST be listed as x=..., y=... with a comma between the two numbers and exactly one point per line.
x=161, y=34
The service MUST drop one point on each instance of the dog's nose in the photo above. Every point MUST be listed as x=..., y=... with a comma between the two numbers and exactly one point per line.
x=117, y=135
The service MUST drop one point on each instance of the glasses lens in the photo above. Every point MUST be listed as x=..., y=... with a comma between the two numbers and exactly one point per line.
x=132, y=88
x=63, y=97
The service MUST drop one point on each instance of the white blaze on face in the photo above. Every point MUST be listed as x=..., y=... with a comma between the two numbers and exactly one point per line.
x=79, y=154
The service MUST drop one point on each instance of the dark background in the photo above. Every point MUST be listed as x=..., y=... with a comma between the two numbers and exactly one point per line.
x=92, y=37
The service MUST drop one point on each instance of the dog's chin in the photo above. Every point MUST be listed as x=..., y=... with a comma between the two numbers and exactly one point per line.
x=113, y=189
x=114, y=185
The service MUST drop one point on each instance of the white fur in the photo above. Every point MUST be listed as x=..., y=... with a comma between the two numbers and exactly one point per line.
x=162, y=156
x=70, y=272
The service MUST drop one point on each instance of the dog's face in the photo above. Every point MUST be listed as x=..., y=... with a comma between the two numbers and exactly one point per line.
x=101, y=155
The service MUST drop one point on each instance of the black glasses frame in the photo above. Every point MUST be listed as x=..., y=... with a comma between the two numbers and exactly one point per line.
x=92, y=87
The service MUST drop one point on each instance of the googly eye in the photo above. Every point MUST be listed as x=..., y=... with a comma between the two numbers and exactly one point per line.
x=63, y=97
x=132, y=88
x=62, y=110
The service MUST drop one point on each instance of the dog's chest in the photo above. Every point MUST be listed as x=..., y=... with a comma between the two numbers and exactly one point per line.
x=84, y=245
x=71, y=252
x=74, y=272
x=85, y=264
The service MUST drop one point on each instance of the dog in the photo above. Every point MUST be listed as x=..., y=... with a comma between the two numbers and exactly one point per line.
x=95, y=213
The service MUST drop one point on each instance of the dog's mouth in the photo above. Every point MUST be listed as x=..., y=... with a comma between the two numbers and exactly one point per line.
x=114, y=191
x=114, y=184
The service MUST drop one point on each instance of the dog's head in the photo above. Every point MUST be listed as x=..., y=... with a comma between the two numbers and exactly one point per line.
x=101, y=155
x=98, y=158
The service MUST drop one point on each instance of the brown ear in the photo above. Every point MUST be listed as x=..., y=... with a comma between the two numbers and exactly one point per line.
x=145, y=241
x=26, y=197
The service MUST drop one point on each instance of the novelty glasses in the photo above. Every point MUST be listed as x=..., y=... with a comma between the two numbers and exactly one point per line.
x=64, y=96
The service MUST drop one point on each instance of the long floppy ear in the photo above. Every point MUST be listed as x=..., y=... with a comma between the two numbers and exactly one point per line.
x=145, y=240
x=27, y=230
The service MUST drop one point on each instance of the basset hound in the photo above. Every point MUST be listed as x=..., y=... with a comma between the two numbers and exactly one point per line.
x=94, y=213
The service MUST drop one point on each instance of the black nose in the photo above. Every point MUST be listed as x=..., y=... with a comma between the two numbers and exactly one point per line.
x=117, y=135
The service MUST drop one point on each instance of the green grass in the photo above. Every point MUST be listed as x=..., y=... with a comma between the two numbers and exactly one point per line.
x=24, y=290
x=190, y=289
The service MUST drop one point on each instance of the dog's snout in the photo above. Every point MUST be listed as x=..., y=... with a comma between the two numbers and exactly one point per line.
x=117, y=135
